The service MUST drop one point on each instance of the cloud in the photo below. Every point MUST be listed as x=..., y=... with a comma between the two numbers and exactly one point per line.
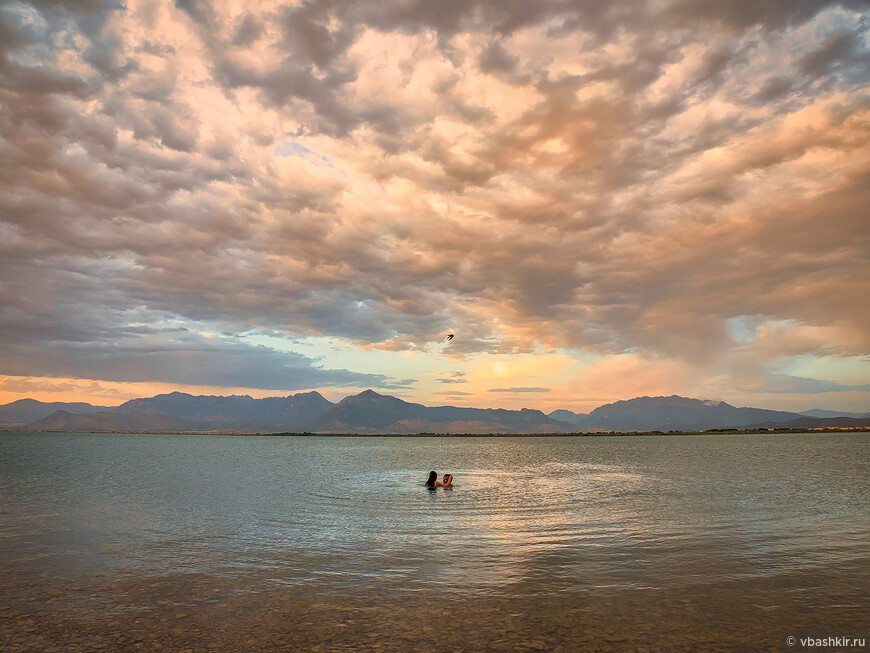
x=610, y=178
x=187, y=360
x=104, y=339
x=455, y=377
x=29, y=385
x=519, y=389
x=842, y=48
x=784, y=383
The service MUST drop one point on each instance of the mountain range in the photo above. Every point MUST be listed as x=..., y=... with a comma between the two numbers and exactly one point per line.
x=373, y=413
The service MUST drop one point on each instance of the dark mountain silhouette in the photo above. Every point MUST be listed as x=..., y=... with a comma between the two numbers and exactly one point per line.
x=677, y=414
x=817, y=412
x=370, y=412
x=235, y=411
x=817, y=423
x=62, y=420
x=577, y=419
x=25, y=411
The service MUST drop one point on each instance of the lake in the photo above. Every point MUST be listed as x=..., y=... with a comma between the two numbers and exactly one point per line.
x=713, y=540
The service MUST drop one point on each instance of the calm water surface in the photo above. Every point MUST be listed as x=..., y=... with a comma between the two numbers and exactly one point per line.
x=538, y=515
x=527, y=515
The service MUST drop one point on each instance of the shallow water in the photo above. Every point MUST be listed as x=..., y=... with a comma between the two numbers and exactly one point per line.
x=533, y=521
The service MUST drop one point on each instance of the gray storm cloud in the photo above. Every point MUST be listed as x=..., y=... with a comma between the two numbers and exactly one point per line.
x=623, y=176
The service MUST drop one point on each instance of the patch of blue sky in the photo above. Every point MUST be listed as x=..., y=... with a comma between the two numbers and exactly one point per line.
x=294, y=149
x=157, y=326
x=743, y=327
x=833, y=20
x=845, y=370
x=583, y=357
x=43, y=46
x=26, y=17
x=34, y=56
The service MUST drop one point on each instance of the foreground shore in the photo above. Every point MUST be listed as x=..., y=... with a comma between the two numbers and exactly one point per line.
x=196, y=612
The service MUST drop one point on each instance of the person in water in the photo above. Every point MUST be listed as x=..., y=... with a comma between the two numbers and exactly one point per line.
x=432, y=482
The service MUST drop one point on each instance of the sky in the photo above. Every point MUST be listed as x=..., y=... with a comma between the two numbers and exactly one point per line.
x=601, y=200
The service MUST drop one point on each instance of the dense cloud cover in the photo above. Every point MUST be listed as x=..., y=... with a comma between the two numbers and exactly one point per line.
x=685, y=181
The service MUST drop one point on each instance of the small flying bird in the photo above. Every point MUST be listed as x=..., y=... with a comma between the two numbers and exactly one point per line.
x=449, y=337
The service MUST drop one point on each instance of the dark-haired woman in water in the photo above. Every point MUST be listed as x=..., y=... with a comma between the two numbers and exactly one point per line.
x=432, y=482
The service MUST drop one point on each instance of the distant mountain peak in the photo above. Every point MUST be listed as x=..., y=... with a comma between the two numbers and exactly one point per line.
x=676, y=413
x=24, y=411
x=25, y=402
x=185, y=395
x=370, y=395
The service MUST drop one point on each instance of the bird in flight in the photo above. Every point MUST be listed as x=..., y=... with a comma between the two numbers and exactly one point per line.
x=449, y=337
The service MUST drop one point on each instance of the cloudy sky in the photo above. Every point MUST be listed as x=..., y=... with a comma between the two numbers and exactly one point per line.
x=600, y=199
